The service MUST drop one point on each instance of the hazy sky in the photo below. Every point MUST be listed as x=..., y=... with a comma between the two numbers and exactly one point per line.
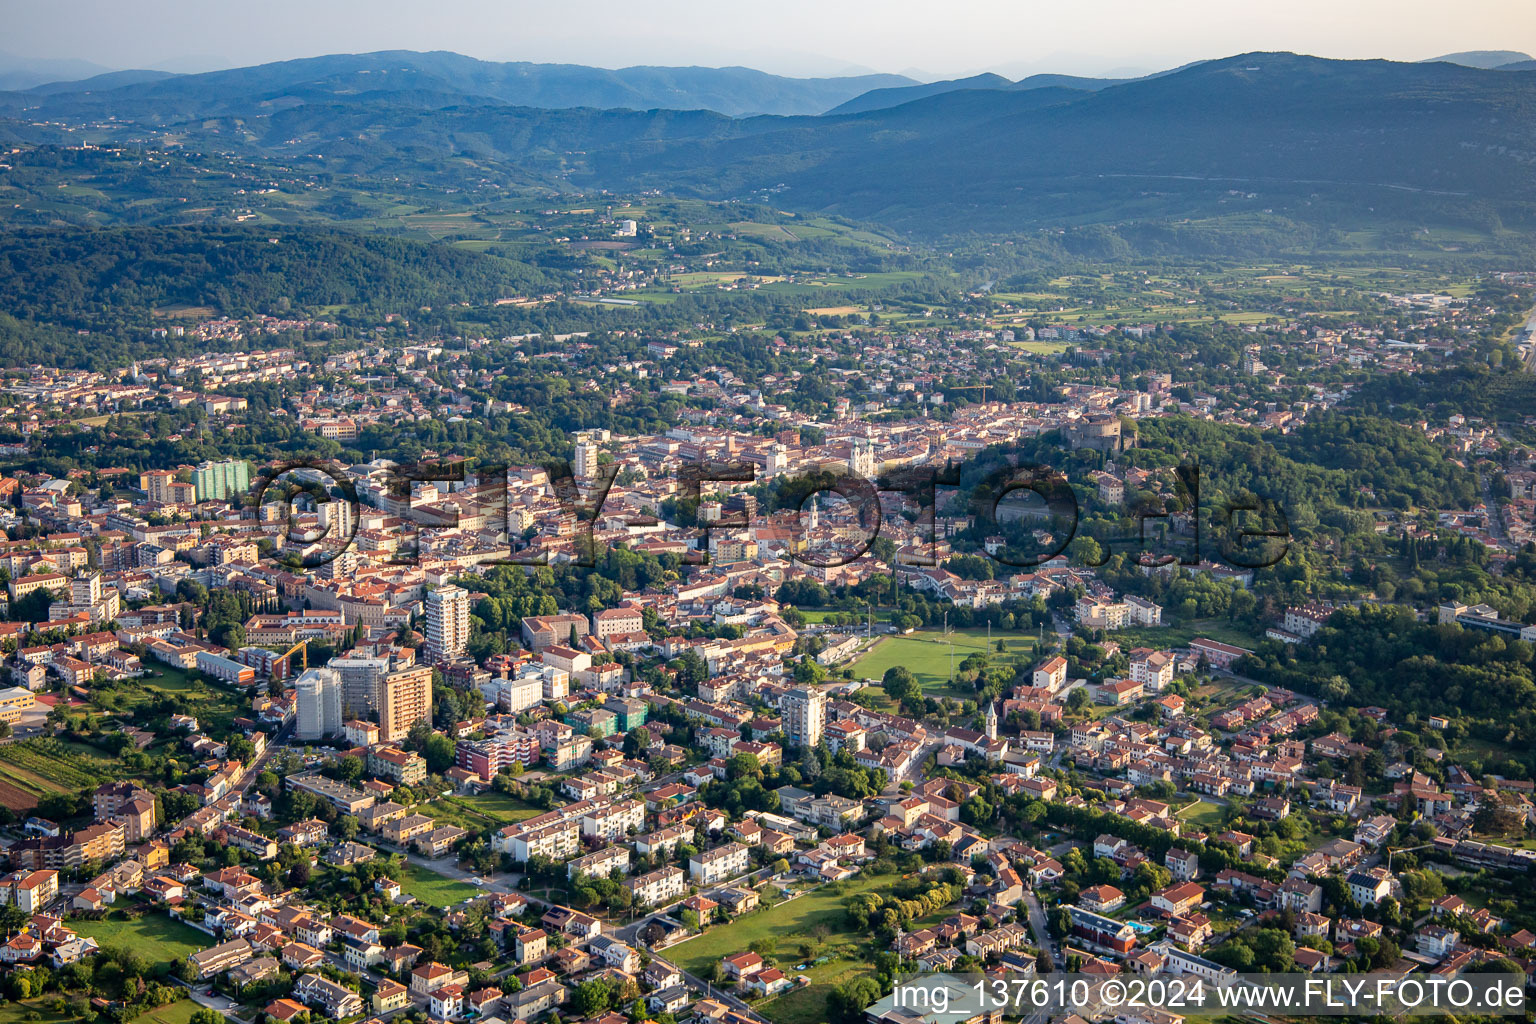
x=941, y=37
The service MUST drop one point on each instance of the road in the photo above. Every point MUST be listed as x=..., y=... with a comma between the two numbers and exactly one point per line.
x=718, y=994
x=1037, y=924
x=630, y=933
x=1495, y=517
x=203, y=996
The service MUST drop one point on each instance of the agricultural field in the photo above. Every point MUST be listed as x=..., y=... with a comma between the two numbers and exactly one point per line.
x=153, y=935
x=34, y=768
x=808, y=285
x=16, y=798
x=1041, y=348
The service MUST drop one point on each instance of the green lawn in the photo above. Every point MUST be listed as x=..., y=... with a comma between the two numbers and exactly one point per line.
x=479, y=813
x=179, y=1012
x=33, y=1011
x=1206, y=815
x=1162, y=637
x=154, y=935
x=215, y=706
x=927, y=654
x=505, y=809
x=808, y=1005
x=820, y=615
x=790, y=925
x=432, y=888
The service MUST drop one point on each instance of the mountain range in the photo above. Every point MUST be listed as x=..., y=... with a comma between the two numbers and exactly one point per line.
x=18, y=72
x=444, y=78
x=1323, y=141
x=1484, y=58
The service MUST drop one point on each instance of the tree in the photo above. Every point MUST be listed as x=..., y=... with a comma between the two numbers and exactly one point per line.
x=744, y=766
x=439, y=753
x=12, y=918
x=591, y=998
x=900, y=684
x=808, y=672
x=349, y=768
x=1273, y=949
x=849, y=1000
x=637, y=741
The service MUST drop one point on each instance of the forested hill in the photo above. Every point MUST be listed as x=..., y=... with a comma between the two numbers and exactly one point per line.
x=1329, y=142
x=74, y=277
x=879, y=99
x=1508, y=395
x=1384, y=656
x=1332, y=462
x=441, y=78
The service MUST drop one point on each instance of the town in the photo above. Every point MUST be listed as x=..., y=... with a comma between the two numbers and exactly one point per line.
x=340, y=685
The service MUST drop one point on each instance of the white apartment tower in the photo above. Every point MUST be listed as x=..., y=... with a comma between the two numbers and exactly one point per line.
x=586, y=459
x=85, y=589
x=447, y=624
x=805, y=715
x=318, y=704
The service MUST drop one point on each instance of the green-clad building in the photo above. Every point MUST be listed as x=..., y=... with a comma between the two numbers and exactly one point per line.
x=218, y=481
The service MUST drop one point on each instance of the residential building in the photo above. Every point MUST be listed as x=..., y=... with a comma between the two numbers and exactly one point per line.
x=447, y=624
x=805, y=715
x=317, y=700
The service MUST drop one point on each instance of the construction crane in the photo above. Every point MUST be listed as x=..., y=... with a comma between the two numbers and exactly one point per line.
x=302, y=647
x=973, y=387
x=1405, y=849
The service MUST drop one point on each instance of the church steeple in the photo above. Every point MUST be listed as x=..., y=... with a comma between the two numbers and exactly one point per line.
x=992, y=720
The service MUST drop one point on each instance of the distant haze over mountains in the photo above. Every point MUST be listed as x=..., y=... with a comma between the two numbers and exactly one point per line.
x=1260, y=133
x=445, y=78
x=440, y=78
x=18, y=72
x=1486, y=58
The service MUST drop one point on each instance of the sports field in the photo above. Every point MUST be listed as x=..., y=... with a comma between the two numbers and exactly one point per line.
x=927, y=654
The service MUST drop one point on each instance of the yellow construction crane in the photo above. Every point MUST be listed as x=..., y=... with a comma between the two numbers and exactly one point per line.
x=973, y=387
x=302, y=647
